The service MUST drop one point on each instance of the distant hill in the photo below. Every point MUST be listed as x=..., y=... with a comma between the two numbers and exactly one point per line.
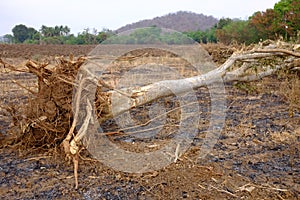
x=180, y=21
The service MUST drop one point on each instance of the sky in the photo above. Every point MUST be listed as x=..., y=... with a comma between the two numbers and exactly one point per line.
x=112, y=14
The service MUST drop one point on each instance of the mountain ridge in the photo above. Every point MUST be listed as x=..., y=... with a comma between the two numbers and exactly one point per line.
x=182, y=21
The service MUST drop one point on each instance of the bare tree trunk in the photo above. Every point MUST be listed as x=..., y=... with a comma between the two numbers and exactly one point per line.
x=129, y=98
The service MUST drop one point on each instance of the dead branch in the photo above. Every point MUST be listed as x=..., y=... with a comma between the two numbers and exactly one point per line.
x=24, y=87
x=285, y=51
x=11, y=67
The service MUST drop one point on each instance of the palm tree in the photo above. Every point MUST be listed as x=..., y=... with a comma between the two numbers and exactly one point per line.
x=66, y=30
x=57, y=30
x=47, y=31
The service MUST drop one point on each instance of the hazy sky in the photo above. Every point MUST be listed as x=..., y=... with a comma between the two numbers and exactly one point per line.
x=112, y=14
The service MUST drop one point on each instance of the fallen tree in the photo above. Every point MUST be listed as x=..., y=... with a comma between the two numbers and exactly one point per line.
x=50, y=119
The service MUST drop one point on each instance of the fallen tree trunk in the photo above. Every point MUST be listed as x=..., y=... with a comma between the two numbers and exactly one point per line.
x=241, y=66
x=129, y=98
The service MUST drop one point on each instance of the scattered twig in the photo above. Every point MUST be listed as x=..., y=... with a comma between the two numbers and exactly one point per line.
x=37, y=158
x=75, y=161
x=177, y=153
x=224, y=191
x=22, y=86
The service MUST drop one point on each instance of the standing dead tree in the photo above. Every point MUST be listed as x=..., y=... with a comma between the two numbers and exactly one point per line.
x=53, y=114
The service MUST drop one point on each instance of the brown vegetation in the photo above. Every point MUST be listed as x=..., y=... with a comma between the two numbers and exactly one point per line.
x=262, y=128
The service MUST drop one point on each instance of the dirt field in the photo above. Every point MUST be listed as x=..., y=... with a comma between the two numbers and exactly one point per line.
x=256, y=157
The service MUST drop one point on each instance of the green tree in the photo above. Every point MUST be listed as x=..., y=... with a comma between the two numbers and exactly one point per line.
x=65, y=30
x=57, y=31
x=71, y=39
x=146, y=35
x=237, y=31
x=20, y=33
x=47, y=31
x=195, y=35
x=8, y=38
x=293, y=21
x=53, y=40
x=55, y=35
x=104, y=35
x=283, y=6
x=88, y=37
x=211, y=35
x=32, y=33
x=288, y=17
x=223, y=22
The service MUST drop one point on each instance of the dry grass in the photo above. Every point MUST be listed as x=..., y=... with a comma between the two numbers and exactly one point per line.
x=290, y=88
x=16, y=90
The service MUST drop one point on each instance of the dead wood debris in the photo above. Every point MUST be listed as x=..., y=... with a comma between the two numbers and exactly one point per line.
x=49, y=119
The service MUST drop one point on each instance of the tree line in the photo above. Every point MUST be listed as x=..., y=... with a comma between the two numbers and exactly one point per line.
x=55, y=35
x=282, y=21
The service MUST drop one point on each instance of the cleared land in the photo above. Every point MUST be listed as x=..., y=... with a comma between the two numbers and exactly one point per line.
x=256, y=157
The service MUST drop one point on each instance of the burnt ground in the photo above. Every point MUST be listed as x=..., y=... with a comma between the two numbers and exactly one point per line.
x=256, y=157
